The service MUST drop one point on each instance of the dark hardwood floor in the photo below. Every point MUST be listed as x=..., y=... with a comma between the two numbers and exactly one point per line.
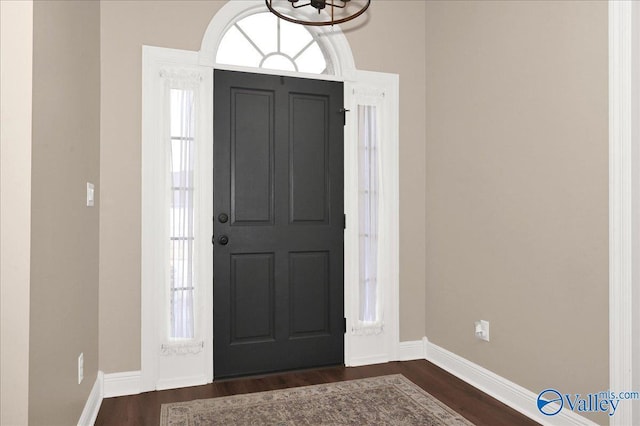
x=479, y=408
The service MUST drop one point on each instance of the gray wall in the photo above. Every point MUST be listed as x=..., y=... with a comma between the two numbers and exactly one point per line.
x=64, y=243
x=392, y=41
x=126, y=27
x=517, y=188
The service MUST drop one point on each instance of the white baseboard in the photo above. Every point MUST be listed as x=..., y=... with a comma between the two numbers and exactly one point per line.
x=368, y=360
x=505, y=391
x=408, y=351
x=121, y=384
x=92, y=406
x=181, y=382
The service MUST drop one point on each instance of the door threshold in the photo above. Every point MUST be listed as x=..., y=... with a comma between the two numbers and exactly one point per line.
x=275, y=373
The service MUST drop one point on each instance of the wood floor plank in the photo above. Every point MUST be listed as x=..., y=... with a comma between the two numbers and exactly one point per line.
x=479, y=408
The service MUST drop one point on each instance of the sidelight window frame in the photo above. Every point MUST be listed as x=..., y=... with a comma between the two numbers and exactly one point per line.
x=171, y=361
x=373, y=340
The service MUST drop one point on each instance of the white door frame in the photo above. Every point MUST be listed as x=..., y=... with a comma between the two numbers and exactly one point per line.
x=624, y=200
x=155, y=352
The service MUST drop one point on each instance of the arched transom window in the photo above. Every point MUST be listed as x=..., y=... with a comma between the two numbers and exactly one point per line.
x=264, y=41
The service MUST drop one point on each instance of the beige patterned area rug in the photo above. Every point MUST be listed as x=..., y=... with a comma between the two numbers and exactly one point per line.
x=386, y=400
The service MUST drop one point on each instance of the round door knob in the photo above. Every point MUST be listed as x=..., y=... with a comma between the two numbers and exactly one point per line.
x=223, y=240
x=223, y=218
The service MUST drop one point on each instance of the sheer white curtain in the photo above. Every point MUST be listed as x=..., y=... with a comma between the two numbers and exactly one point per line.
x=181, y=210
x=368, y=206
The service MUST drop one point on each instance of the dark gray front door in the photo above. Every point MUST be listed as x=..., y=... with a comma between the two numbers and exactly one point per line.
x=278, y=223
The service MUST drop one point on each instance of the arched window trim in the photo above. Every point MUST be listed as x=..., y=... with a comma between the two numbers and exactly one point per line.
x=241, y=26
x=331, y=40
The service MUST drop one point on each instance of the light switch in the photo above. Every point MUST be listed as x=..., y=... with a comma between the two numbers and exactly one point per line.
x=482, y=330
x=90, y=194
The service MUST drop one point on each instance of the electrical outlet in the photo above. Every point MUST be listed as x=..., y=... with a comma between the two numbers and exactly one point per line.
x=80, y=367
x=482, y=330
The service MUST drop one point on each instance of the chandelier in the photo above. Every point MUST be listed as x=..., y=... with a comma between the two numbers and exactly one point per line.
x=319, y=12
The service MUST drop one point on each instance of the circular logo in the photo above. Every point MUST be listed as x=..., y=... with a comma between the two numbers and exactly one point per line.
x=546, y=400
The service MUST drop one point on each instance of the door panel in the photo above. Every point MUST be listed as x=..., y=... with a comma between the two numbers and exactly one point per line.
x=252, y=151
x=309, y=289
x=278, y=179
x=252, y=295
x=309, y=148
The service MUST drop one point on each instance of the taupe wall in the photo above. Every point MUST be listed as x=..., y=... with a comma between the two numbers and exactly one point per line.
x=517, y=188
x=391, y=40
x=503, y=184
x=16, y=52
x=126, y=26
x=503, y=176
x=64, y=243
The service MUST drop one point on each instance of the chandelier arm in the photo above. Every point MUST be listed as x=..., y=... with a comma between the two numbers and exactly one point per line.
x=332, y=4
x=314, y=23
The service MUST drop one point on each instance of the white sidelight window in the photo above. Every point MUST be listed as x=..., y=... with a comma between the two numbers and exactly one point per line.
x=181, y=212
x=176, y=227
x=371, y=237
x=368, y=200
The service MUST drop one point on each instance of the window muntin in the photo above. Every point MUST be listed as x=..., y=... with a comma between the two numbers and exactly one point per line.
x=264, y=41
